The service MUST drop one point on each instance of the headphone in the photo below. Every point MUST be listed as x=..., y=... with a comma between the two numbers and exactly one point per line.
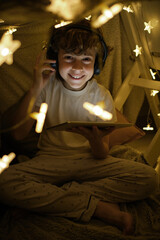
x=51, y=54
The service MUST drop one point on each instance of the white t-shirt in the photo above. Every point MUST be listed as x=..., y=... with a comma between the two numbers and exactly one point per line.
x=67, y=105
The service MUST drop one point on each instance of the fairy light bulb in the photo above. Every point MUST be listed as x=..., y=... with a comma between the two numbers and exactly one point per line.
x=40, y=117
x=97, y=111
x=148, y=128
x=137, y=50
x=107, y=14
x=88, y=17
x=152, y=73
x=62, y=23
x=66, y=9
x=5, y=52
x=128, y=9
x=5, y=161
x=7, y=47
x=154, y=92
x=148, y=27
x=11, y=31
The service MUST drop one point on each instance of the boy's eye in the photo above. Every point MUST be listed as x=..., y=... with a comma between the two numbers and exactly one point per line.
x=68, y=57
x=87, y=59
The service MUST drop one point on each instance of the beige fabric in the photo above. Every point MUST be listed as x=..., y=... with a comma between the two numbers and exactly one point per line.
x=72, y=187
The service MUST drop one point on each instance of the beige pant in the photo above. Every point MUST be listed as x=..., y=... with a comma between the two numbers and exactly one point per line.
x=72, y=188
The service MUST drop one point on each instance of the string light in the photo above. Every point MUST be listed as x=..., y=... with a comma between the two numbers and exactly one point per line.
x=66, y=9
x=98, y=111
x=148, y=27
x=1, y=21
x=88, y=18
x=5, y=161
x=107, y=14
x=7, y=47
x=148, y=128
x=154, y=92
x=40, y=117
x=138, y=50
x=11, y=31
x=128, y=9
x=62, y=23
x=152, y=73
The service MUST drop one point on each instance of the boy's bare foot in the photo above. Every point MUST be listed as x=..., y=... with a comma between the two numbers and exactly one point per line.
x=111, y=214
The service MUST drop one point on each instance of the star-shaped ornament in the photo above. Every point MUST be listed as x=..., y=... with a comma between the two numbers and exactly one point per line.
x=7, y=47
x=152, y=74
x=128, y=9
x=148, y=26
x=138, y=50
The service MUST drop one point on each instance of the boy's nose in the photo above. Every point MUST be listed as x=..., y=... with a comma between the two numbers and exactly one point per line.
x=77, y=65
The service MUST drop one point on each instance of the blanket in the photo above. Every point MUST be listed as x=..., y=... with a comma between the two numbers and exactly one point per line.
x=16, y=224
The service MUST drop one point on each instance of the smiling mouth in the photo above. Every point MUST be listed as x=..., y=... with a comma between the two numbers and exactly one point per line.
x=76, y=77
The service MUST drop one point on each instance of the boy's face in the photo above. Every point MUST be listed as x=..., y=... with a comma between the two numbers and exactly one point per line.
x=76, y=70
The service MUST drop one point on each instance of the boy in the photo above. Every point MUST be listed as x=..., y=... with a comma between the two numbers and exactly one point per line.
x=73, y=175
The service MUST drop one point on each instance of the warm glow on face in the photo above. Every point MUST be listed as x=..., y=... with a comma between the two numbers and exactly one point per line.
x=5, y=161
x=98, y=111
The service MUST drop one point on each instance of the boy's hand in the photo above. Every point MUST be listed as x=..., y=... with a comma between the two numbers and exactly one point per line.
x=42, y=70
x=95, y=136
x=92, y=133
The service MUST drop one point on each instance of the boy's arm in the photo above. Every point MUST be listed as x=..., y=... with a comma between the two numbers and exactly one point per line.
x=98, y=140
x=100, y=146
x=21, y=114
x=42, y=73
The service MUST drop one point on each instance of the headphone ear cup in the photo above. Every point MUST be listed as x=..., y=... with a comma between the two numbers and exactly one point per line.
x=96, y=67
x=53, y=56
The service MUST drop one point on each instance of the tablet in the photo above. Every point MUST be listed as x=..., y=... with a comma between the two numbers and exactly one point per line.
x=72, y=124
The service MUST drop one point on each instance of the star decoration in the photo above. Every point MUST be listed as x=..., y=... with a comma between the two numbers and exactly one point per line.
x=11, y=30
x=138, y=50
x=128, y=9
x=66, y=9
x=152, y=73
x=148, y=26
x=5, y=161
x=154, y=92
x=62, y=23
x=98, y=110
x=40, y=117
x=7, y=47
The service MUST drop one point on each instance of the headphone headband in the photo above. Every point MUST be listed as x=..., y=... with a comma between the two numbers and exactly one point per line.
x=87, y=28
